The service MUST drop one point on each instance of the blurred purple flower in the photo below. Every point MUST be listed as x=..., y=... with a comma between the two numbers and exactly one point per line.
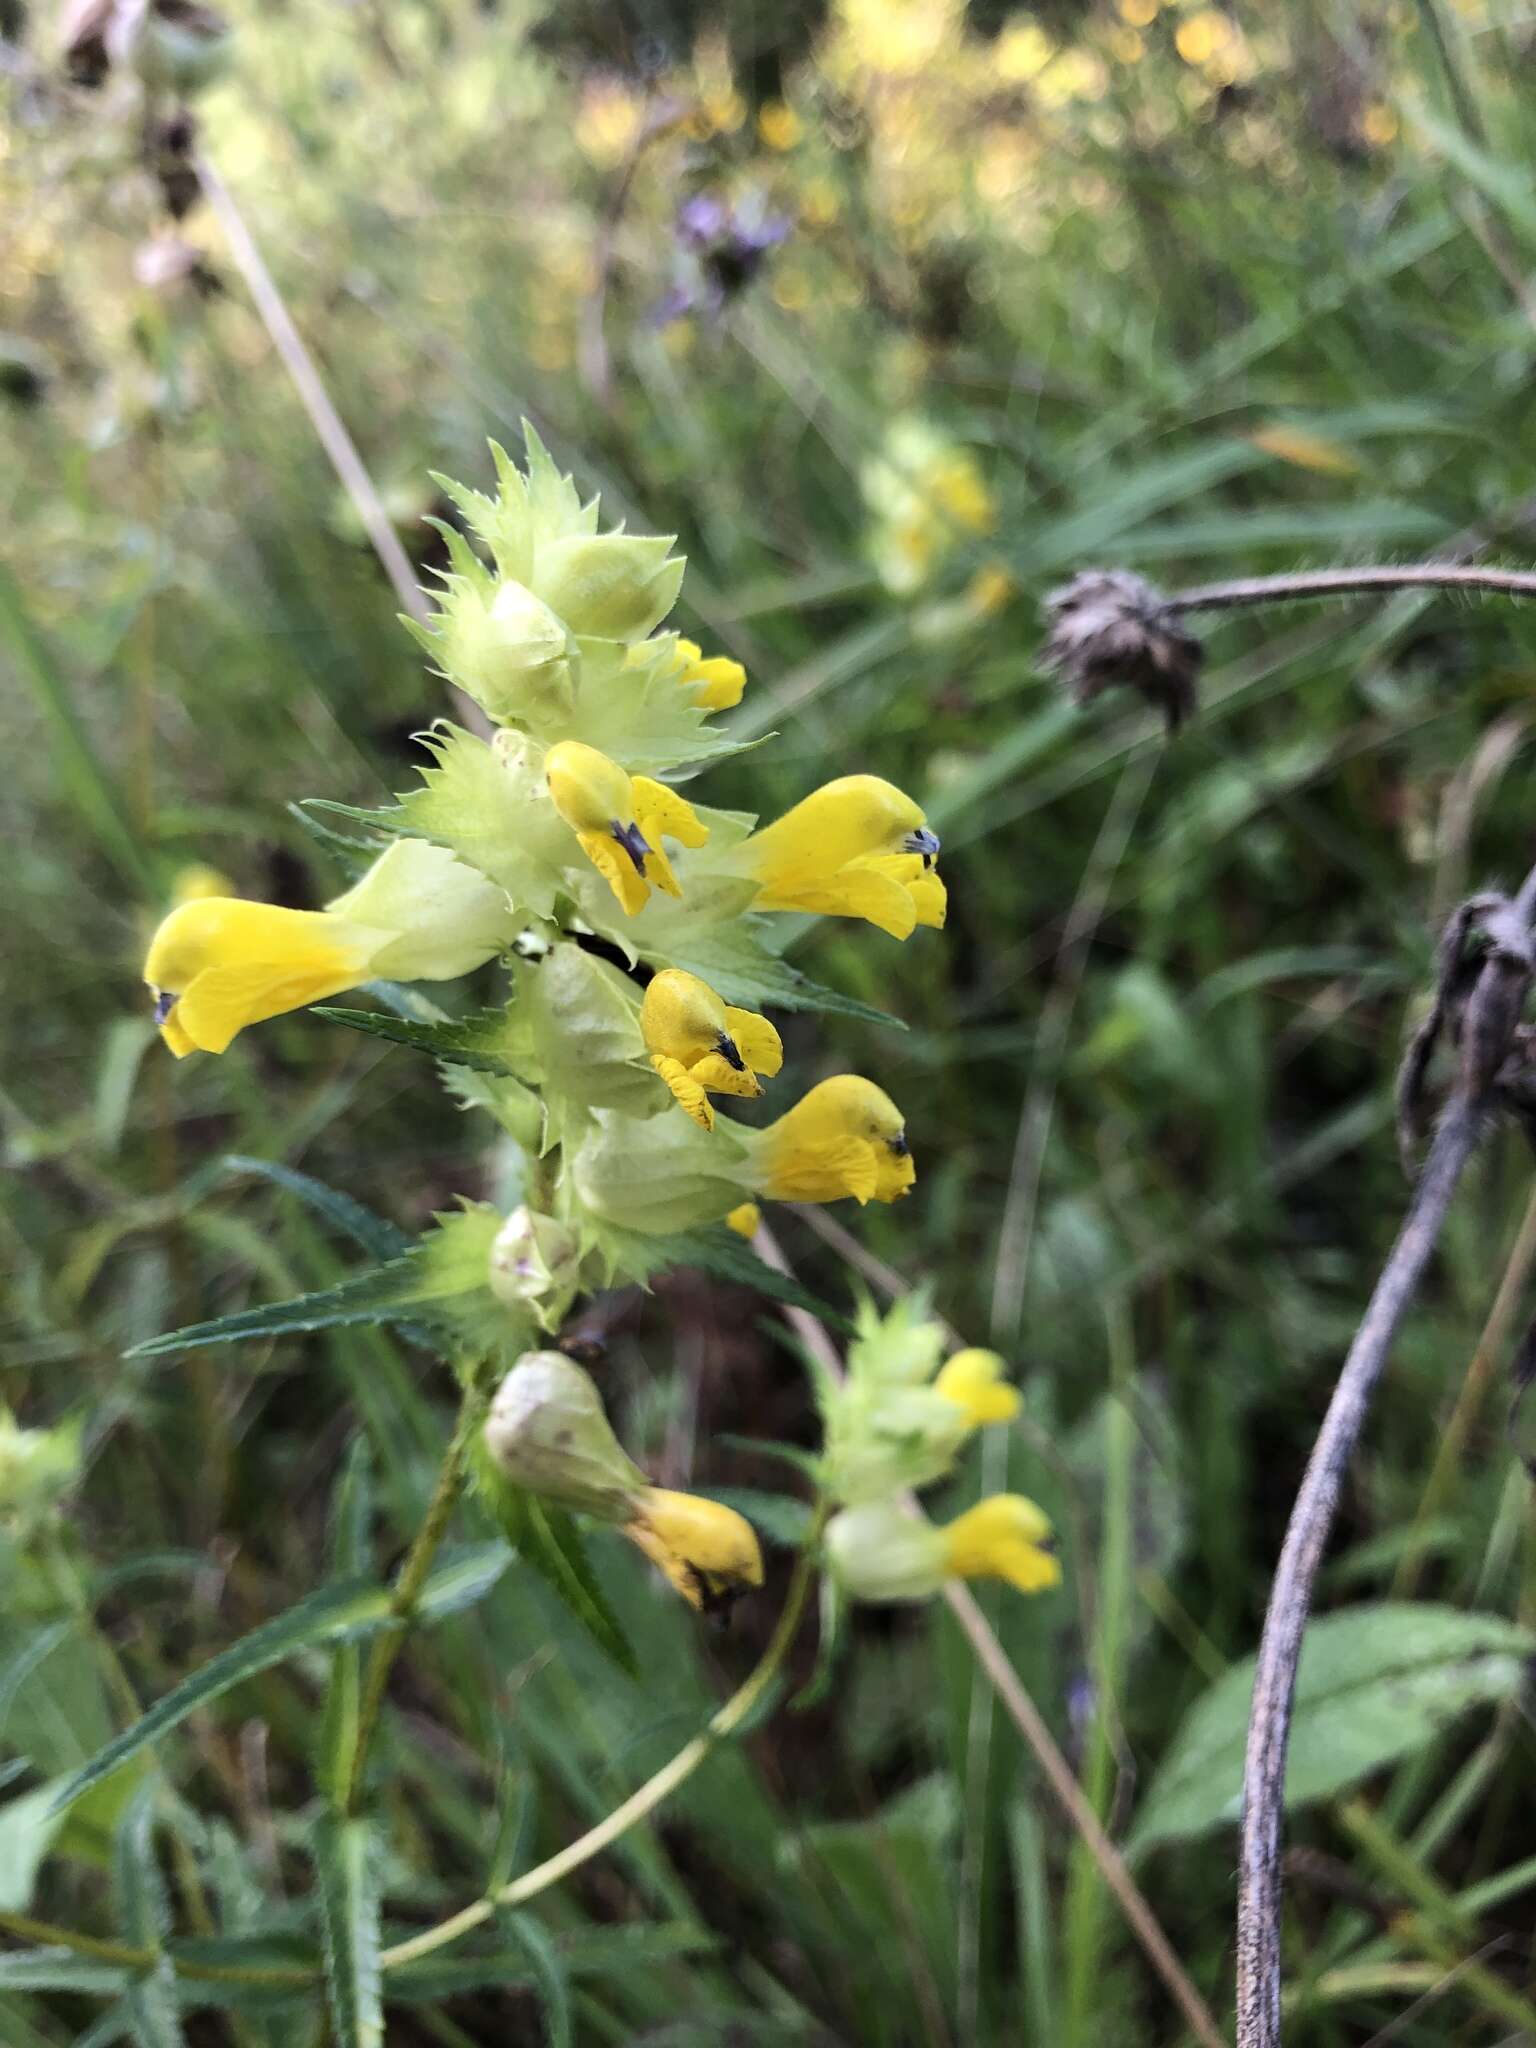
x=720, y=249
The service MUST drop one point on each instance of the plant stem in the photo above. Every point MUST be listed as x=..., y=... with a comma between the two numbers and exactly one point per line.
x=1251, y=590
x=308, y=383
x=408, y=1585
x=650, y=1795
x=1258, y=1912
x=43, y=1934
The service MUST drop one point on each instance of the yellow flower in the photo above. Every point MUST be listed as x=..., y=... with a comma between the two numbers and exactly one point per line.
x=974, y=1381
x=857, y=847
x=882, y=1552
x=698, y=1043
x=716, y=683
x=845, y=1137
x=1003, y=1537
x=217, y=964
x=706, y=1550
x=619, y=821
x=744, y=1219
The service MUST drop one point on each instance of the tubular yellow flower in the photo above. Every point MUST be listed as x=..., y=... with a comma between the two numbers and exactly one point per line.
x=715, y=682
x=217, y=964
x=744, y=1219
x=974, y=1381
x=880, y=1552
x=705, y=1549
x=619, y=821
x=857, y=847
x=844, y=1137
x=1003, y=1537
x=699, y=1043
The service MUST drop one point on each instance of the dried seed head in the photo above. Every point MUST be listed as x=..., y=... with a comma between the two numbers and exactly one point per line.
x=1107, y=628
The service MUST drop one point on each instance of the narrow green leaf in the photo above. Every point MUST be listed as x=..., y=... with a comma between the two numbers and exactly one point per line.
x=1375, y=1683
x=780, y=1516
x=347, y=1853
x=546, y=1538
x=81, y=776
x=729, y=1257
x=328, y=1616
x=59, y=1969
x=374, y=1296
x=548, y=1972
x=351, y=1528
x=462, y=1041
x=384, y=1240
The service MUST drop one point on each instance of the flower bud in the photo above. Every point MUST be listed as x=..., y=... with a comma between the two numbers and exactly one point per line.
x=507, y=649
x=535, y=1263
x=609, y=586
x=548, y=1433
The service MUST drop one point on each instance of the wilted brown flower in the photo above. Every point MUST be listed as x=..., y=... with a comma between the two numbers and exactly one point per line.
x=1107, y=628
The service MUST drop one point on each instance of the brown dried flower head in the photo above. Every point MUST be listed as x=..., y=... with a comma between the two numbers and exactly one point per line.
x=1109, y=628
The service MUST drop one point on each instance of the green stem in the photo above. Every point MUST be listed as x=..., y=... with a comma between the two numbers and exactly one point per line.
x=43, y=1934
x=412, y=1578
x=651, y=1793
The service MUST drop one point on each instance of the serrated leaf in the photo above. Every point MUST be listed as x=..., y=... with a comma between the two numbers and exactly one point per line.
x=546, y=1538
x=376, y=1296
x=1374, y=1684
x=328, y=1616
x=737, y=963
x=347, y=1853
x=384, y=1240
x=463, y=1042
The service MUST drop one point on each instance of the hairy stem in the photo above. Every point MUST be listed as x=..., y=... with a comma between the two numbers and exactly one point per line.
x=648, y=1797
x=1251, y=590
x=1490, y=1014
x=408, y=1585
x=1290, y=1599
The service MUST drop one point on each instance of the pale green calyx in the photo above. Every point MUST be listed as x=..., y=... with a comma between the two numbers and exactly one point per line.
x=879, y=1552
x=609, y=586
x=547, y=1432
x=536, y=1264
x=506, y=648
x=447, y=918
x=37, y=1468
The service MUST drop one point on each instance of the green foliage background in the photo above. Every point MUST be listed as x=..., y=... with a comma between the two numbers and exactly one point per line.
x=1203, y=301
